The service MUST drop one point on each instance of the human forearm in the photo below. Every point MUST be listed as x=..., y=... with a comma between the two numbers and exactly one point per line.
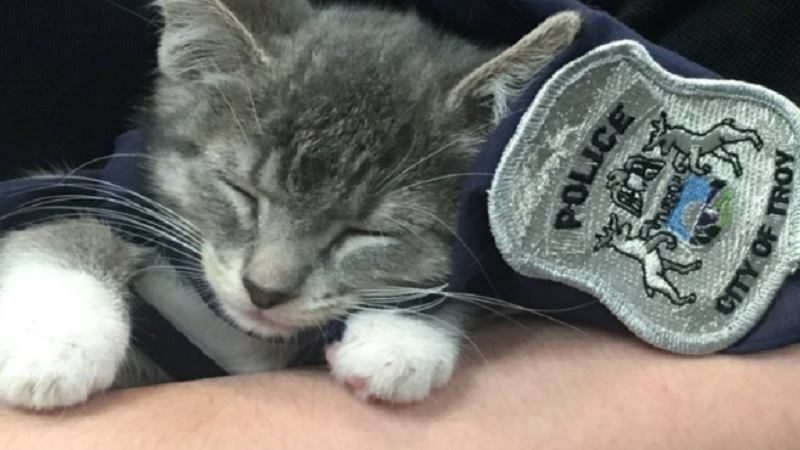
x=539, y=387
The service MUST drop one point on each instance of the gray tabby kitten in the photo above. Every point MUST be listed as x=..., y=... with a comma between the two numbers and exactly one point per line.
x=314, y=157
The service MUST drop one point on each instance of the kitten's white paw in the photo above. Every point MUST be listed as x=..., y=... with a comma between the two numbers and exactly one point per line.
x=392, y=357
x=63, y=336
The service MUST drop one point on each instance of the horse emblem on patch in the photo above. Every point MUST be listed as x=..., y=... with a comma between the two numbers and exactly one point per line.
x=695, y=209
x=672, y=200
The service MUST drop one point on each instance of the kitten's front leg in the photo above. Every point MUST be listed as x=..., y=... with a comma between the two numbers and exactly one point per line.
x=64, y=327
x=397, y=356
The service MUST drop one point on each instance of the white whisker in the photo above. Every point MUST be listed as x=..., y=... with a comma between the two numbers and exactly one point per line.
x=239, y=123
x=394, y=295
x=434, y=179
x=458, y=238
x=430, y=155
x=91, y=184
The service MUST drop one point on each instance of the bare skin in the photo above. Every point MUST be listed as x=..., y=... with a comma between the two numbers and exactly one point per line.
x=539, y=386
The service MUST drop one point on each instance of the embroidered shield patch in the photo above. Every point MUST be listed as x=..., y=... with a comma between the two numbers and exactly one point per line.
x=671, y=200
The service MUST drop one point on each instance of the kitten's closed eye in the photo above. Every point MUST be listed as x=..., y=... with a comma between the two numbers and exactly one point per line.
x=357, y=237
x=247, y=195
x=248, y=199
x=364, y=232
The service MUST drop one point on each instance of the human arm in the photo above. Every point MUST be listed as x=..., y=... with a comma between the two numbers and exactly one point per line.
x=538, y=386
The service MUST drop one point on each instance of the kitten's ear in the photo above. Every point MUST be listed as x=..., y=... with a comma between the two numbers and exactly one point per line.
x=205, y=39
x=507, y=75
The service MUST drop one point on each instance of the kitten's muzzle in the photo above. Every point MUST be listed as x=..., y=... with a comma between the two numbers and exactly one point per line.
x=265, y=298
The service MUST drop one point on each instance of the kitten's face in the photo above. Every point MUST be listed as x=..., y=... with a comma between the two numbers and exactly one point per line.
x=333, y=168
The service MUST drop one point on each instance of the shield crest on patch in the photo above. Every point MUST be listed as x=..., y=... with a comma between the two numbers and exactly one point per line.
x=672, y=200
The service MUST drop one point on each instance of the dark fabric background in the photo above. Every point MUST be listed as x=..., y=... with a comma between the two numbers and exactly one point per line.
x=71, y=71
x=751, y=40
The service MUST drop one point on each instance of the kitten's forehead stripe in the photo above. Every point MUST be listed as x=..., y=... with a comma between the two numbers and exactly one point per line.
x=260, y=168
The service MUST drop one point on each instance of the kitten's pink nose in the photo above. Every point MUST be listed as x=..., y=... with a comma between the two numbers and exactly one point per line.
x=265, y=298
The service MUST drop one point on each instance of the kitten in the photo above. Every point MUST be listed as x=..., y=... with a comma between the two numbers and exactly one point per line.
x=313, y=155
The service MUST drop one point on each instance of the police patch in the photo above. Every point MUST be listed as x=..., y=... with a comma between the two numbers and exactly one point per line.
x=671, y=200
